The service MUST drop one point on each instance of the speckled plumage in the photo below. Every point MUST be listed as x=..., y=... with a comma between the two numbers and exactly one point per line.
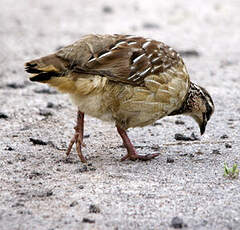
x=129, y=80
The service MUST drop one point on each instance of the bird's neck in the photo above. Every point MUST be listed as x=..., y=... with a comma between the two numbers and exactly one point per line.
x=185, y=105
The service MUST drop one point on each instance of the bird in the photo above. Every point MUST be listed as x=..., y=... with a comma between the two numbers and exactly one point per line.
x=129, y=80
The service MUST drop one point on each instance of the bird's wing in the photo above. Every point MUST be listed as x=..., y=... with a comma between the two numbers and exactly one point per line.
x=121, y=58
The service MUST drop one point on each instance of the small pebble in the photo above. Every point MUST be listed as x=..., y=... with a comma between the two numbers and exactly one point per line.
x=94, y=209
x=74, y=203
x=9, y=148
x=216, y=151
x=45, y=91
x=81, y=187
x=170, y=160
x=17, y=205
x=225, y=136
x=181, y=137
x=107, y=9
x=25, y=212
x=84, y=168
x=43, y=194
x=179, y=122
x=228, y=146
x=156, y=124
x=22, y=158
x=92, y=169
x=87, y=220
x=37, y=141
x=34, y=174
x=150, y=25
x=45, y=113
x=49, y=193
x=3, y=116
x=15, y=86
x=199, y=153
x=50, y=105
x=189, y=53
x=177, y=223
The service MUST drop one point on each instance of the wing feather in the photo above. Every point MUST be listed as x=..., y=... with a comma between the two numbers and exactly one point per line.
x=120, y=58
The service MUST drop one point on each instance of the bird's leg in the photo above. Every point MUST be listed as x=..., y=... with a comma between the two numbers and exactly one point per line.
x=78, y=137
x=132, y=155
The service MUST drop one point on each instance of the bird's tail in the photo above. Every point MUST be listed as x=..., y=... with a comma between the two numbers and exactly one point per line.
x=43, y=69
x=51, y=70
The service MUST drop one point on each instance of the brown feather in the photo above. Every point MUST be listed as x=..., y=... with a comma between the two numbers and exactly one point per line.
x=120, y=58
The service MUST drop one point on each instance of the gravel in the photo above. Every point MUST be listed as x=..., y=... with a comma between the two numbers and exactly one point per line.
x=38, y=182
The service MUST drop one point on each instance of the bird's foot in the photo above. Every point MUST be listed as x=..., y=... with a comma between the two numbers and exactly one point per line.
x=135, y=156
x=78, y=140
x=132, y=155
x=78, y=137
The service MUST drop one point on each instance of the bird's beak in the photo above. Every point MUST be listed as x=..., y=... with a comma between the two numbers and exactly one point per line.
x=202, y=122
x=202, y=127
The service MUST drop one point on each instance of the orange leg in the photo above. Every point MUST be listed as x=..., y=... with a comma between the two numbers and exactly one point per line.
x=78, y=137
x=132, y=155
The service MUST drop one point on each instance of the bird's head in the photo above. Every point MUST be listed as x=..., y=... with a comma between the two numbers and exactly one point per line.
x=199, y=105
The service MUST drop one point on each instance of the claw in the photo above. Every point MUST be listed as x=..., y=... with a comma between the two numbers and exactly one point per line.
x=134, y=157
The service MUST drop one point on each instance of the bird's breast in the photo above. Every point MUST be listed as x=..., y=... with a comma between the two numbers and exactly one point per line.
x=161, y=95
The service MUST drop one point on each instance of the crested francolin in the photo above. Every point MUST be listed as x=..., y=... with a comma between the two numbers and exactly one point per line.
x=130, y=80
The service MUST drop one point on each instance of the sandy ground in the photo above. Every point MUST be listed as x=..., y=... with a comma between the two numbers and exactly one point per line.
x=40, y=189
